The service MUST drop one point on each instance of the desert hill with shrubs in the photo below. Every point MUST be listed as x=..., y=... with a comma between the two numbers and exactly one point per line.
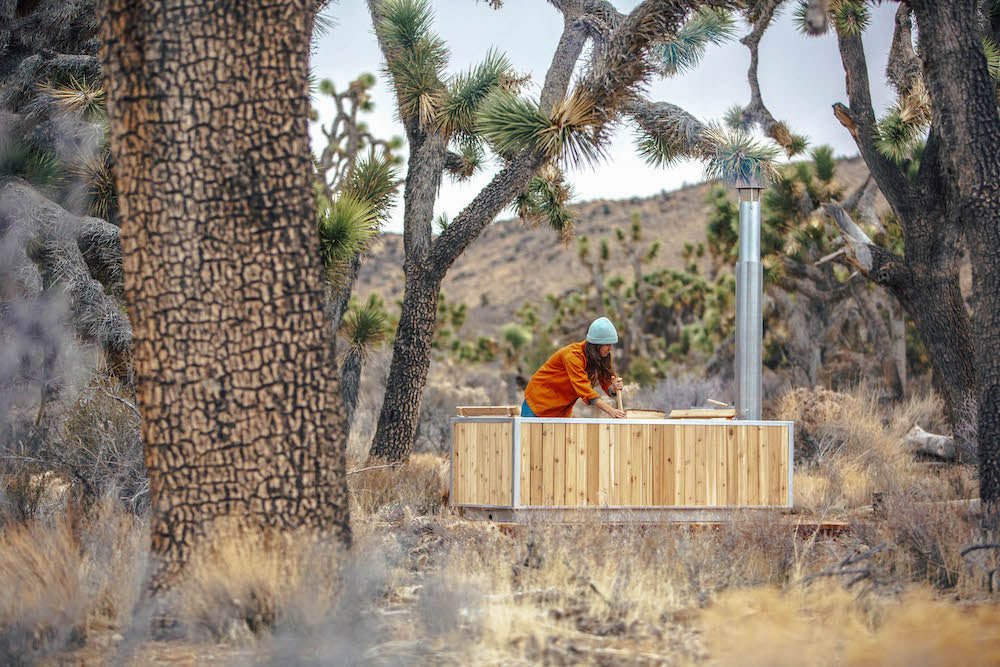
x=512, y=262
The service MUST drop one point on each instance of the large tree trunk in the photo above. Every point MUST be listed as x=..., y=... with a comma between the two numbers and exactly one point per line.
x=397, y=422
x=242, y=416
x=926, y=286
x=939, y=314
x=963, y=98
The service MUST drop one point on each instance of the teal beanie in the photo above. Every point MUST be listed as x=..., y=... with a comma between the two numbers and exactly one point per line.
x=602, y=332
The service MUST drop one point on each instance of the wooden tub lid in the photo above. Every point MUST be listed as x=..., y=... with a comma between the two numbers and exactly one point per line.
x=489, y=410
x=633, y=413
x=704, y=413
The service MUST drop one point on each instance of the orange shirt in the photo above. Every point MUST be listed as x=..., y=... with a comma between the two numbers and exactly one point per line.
x=554, y=388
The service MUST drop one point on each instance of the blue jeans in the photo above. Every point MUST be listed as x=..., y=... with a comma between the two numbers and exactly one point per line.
x=526, y=410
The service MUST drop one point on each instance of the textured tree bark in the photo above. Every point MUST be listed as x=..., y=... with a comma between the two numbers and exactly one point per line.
x=925, y=284
x=964, y=103
x=411, y=357
x=925, y=280
x=242, y=416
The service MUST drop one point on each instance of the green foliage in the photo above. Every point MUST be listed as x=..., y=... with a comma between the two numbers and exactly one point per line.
x=22, y=159
x=733, y=119
x=345, y=228
x=442, y=222
x=473, y=157
x=468, y=91
x=850, y=16
x=824, y=163
x=80, y=95
x=682, y=51
x=365, y=326
x=898, y=135
x=643, y=373
x=992, y=53
x=737, y=157
x=511, y=124
x=375, y=180
x=515, y=335
x=102, y=195
x=546, y=199
x=799, y=17
x=416, y=57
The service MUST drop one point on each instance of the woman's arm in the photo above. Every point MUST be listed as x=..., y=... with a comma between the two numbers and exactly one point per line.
x=612, y=411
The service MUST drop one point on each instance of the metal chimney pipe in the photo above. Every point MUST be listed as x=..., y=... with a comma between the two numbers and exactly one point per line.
x=749, y=304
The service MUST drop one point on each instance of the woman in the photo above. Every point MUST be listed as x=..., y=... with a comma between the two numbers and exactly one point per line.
x=570, y=374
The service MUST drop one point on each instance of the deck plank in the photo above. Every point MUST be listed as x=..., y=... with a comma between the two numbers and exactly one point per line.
x=537, y=465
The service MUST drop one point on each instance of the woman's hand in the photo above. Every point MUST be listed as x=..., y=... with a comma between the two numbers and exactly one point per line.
x=616, y=384
x=610, y=409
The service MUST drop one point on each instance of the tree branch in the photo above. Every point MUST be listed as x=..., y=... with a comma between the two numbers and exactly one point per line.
x=568, y=51
x=874, y=261
x=903, y=66
x=860, y=121
x=756, y=112
x=610, y=84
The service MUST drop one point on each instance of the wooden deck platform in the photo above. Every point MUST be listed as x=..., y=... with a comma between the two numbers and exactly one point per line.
x=510, y=519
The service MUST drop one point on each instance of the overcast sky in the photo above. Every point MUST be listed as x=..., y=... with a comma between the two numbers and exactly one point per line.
x=800, y=79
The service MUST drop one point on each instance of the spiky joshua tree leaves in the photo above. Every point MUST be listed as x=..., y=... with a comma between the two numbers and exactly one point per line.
x=449, y=118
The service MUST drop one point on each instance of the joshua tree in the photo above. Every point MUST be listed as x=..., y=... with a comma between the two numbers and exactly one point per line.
x=347, y=136
x=812, y=302
x=947, y=93
x=58, y=204
x=242, y=415
x=363, y=327
x=531, y=137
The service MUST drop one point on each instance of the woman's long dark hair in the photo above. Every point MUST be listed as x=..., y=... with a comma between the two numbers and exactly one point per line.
x=599, y=369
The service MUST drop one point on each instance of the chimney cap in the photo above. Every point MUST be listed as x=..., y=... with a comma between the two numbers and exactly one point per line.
x=748, y=182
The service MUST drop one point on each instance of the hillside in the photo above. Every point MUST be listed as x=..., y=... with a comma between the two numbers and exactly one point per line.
x=511, y=263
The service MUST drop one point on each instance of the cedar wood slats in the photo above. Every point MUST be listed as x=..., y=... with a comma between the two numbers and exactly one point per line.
x=621, y=465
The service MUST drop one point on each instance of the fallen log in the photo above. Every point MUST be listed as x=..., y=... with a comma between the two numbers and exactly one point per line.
x=931, y=444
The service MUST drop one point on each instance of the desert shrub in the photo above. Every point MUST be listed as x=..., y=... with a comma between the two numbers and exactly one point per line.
x=87, y=446
x=288, y=598
x=850, y=449
x=101, y=446
x=43, y=602
x=66, y=577
x=420, y=484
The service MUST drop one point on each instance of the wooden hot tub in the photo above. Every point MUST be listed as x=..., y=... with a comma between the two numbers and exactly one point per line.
x=513, y=468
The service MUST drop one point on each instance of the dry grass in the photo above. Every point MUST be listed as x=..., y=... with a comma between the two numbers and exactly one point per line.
x=827, y=625
x=245, y=583
x=848, y=449
x=66, y=580
x=419, y=485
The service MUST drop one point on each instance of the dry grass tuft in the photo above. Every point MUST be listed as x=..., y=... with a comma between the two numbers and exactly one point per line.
x=420, y=484
x=44, y=601
x=244, y=583
x=849, y=450
x=827, y=625
x=66, y=579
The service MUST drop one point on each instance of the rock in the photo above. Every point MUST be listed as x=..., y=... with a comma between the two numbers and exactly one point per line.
x=931, y=444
